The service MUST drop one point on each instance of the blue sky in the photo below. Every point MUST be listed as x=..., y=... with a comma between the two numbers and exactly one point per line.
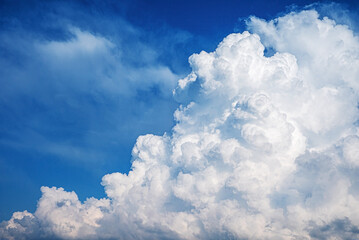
x=81, y=80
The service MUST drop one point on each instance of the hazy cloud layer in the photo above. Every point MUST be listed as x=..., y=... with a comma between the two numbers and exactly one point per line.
x=264, y=148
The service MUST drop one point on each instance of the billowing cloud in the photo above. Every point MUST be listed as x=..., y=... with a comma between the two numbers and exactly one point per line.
x=265, y=147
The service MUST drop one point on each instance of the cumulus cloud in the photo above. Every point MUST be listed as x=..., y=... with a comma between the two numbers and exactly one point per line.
x=264, y=147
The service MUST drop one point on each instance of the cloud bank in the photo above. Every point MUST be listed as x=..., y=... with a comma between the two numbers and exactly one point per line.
x=264, y=147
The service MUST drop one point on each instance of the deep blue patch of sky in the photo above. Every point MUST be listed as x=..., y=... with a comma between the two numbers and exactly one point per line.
x=70, y=114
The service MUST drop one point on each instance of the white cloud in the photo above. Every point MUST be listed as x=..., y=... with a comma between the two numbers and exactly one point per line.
x=101, y=63
x=267, y=148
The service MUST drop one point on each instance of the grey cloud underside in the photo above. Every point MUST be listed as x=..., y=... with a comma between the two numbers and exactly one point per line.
x=263, y=148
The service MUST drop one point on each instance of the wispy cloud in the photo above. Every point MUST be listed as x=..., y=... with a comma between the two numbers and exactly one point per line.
x=77, y=88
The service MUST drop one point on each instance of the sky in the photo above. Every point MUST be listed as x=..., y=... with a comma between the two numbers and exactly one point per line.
x=179, y=119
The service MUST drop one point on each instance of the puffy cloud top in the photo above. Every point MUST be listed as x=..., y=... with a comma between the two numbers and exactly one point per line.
x=265, y=147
